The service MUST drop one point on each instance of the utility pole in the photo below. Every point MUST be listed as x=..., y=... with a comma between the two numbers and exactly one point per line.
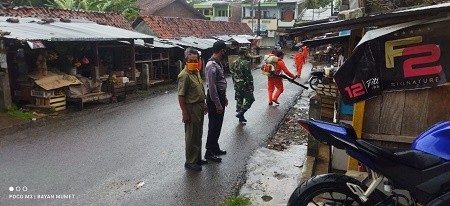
x=259, y=26
x=332, y=7
x=252, y=13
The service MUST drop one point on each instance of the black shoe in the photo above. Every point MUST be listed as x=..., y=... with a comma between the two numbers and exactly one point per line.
x=193, y=167
x=220, y=152
x=270, y=103
x=240, y=115
x=202, y=162
x=212, y=157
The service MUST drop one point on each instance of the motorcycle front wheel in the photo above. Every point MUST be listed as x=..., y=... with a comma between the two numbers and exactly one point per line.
x=314, y=82
x=330, y=189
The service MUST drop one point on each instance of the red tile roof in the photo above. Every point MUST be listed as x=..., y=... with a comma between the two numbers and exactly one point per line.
x=170, y=27
x=105, y=18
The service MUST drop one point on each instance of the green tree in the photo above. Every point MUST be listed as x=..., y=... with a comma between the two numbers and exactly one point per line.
x=65, y=4
x=127, y=8
x=337, y=4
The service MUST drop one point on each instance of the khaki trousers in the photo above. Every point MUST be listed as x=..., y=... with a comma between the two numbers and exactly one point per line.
x=194, y=132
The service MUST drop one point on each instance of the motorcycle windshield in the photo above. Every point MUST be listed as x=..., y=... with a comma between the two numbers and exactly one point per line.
x=435, y=141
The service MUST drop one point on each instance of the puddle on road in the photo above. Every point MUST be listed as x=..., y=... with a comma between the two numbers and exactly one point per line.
x=273, y=175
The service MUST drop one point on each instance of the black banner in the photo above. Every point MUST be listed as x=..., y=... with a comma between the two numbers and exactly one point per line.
x=407, y=56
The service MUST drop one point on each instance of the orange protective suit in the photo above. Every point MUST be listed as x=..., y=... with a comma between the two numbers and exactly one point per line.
x=277, y=82
x=299, y=60
x=305, y=52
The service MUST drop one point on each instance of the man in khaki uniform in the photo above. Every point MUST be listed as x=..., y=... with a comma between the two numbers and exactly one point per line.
x=191, y=97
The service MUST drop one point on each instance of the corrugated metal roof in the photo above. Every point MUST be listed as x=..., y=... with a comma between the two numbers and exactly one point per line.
x=246, y=36
x=181, y=43
x=240, y=40
x=156, y=44
x=197, y=42
x=224, y=37
x=76, y=30
x=163, y=45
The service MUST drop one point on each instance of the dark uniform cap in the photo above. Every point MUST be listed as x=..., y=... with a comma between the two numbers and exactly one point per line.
x=218, y=45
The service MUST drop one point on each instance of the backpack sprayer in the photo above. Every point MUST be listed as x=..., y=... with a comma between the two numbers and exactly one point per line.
x=268, y=69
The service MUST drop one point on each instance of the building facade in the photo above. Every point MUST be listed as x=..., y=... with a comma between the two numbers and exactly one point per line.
x=220, y=10
x=268, y=23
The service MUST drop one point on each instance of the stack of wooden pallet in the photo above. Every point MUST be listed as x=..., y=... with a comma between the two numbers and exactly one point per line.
x=56, y=102
x=328, y=94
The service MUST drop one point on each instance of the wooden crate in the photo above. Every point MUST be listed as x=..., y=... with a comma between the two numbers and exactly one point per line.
x=328, y=94
x=58, y=102
x=327, y=107
x=329, y=90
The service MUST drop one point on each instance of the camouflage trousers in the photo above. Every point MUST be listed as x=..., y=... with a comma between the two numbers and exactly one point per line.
x=244, y=100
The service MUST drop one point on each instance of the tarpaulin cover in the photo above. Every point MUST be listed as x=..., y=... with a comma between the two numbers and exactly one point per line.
x=407, y=56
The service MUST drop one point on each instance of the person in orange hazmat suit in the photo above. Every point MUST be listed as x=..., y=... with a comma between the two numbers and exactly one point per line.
x=275, y=83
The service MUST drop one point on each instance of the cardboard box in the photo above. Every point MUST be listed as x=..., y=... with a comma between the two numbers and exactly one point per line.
x=123, y=79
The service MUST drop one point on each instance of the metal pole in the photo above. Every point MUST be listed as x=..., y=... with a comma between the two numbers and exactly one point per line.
x=252, y=14
x=331, y=7
x=259, y=25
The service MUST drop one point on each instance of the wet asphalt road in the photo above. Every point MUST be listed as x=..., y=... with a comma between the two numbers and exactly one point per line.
x=100, y=156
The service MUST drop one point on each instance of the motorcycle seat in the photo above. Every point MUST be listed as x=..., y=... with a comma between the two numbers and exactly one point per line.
x=418, y=159
x=412, y=158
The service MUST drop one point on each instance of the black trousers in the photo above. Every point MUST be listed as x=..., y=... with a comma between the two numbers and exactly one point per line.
x=215, y=122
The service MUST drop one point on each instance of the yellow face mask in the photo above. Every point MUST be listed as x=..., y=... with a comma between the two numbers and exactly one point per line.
x=193, y=67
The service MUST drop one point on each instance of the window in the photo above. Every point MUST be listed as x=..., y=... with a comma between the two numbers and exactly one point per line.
x=206, y=12
x=266, y=15
x=221, y=13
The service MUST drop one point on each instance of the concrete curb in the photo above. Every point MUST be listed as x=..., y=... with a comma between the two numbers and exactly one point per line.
x=308, y=169
x=316, y=165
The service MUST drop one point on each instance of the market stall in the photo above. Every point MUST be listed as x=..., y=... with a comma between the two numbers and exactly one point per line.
x=83, y=50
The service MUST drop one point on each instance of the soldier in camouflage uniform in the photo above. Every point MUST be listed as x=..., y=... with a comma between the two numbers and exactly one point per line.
x=243, y=84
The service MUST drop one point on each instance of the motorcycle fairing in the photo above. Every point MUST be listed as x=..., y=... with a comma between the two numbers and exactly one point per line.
x=340, y=136
x=424, y=175
x=435, y=141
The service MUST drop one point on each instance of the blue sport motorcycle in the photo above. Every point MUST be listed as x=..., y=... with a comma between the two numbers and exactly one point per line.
x=419, y=176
